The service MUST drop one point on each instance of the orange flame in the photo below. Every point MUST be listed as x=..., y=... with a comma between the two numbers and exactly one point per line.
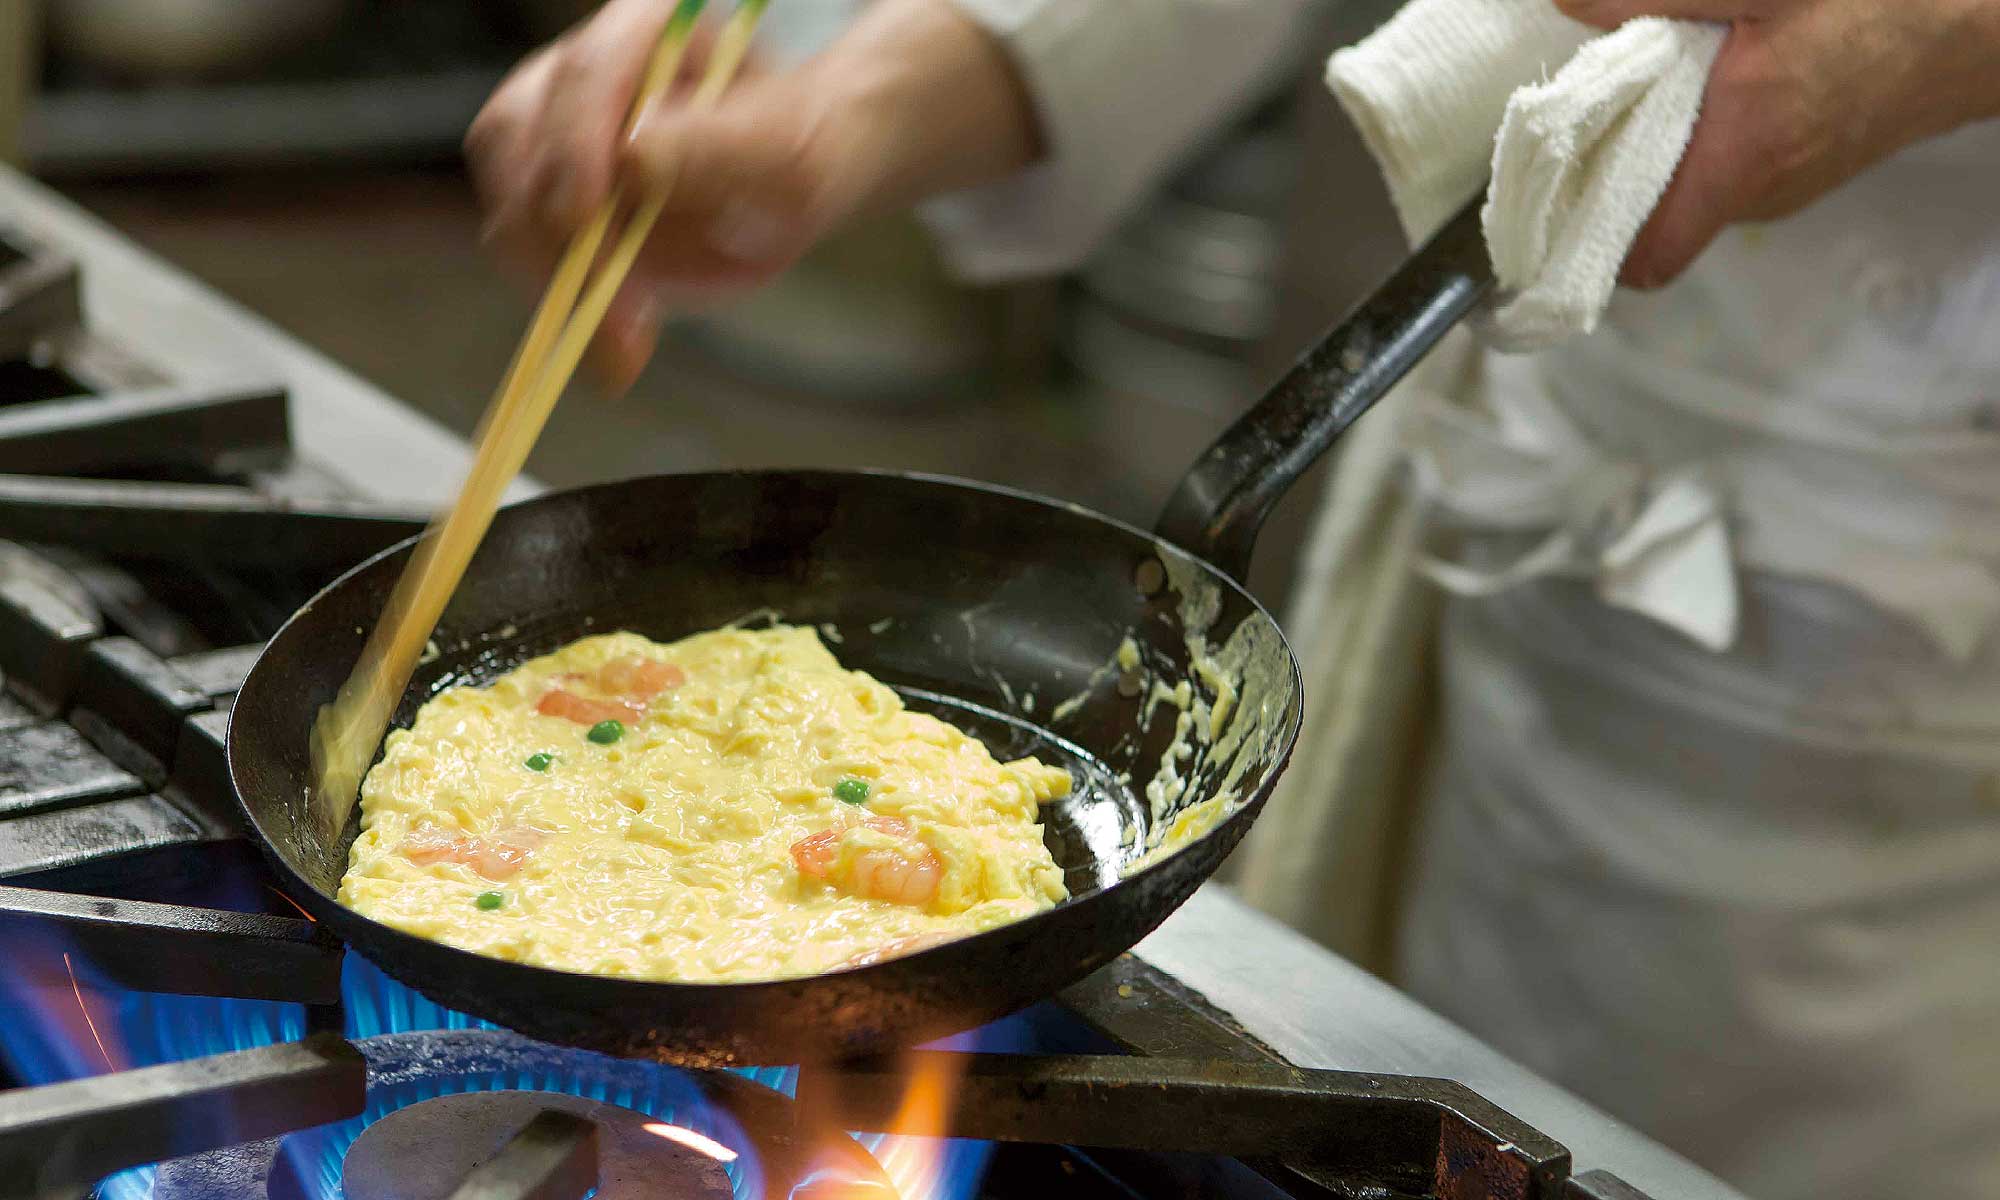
x=913, y=1154
x=295, y=904
x=76, y=990
x=692, y=1140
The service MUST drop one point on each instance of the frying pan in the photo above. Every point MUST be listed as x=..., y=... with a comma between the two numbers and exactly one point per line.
x=999, y=611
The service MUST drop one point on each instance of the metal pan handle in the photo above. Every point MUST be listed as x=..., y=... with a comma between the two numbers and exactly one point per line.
x=1222, y=501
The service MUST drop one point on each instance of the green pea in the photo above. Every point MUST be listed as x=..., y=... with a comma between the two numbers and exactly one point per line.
x=490, y=900
x=851, y=791
x=606, y=732
x=540, y=762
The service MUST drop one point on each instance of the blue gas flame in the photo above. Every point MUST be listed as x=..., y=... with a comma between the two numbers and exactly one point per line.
x=151, y=1028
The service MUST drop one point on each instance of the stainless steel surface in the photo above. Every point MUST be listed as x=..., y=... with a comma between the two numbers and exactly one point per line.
x=1319, y=1010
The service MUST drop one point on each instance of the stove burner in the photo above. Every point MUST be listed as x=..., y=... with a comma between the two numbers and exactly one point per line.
x=425, y=1151
x=485, y=1084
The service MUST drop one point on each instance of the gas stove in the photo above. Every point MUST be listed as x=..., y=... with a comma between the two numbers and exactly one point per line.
x=175, y=477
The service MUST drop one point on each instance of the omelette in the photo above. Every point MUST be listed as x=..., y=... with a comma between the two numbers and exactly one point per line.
x=732, y=806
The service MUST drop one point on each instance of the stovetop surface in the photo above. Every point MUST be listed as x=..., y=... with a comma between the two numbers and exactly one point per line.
x=120, y=665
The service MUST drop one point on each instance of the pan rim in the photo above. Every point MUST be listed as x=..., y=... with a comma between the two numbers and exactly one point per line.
x=328, y=910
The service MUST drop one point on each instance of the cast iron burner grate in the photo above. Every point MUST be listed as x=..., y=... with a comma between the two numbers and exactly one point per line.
x=157, y=532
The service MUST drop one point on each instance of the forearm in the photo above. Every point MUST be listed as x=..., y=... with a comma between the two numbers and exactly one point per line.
x=942, y=105
x=1124, y=90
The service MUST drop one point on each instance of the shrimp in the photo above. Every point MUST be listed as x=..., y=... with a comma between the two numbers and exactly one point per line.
x=561, y=702
x=635, y=675
x=630, y=681
x=500, y=856
x=906, y=874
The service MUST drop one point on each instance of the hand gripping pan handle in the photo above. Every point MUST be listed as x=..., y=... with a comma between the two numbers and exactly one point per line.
x=1222, y=501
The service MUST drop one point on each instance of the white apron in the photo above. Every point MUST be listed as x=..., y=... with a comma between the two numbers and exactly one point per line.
x=1712, y=831
x=1747, y=895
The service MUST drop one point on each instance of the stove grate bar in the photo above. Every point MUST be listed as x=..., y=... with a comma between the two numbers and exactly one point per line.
x=42, y=640
x=98, y=839
x=218, y=672
x=202, y=430
x=66, y=1136
x=132, y=705
x=199, y=777
x=41, y=296
x=152, y=947
x=176, y=522
x=52, y=765
x=1353, y=1133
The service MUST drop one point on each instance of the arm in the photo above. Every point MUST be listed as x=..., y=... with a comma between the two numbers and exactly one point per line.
x=913, y=99
x=917, y=99
x=1123, y=89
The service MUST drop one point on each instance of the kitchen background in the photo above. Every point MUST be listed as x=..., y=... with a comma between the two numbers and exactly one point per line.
x=302, y=157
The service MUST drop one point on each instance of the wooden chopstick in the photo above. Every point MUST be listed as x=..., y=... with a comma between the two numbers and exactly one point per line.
x=346, y=732
x=730, y=48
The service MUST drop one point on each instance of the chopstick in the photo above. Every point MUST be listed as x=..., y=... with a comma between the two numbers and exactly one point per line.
x=347, y=731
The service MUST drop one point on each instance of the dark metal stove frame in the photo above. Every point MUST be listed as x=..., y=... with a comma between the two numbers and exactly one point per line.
x=111, y=768
x=1188, y=1082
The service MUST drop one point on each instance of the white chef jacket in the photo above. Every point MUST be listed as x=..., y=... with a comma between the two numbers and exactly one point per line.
x=1744, y=893
x=1712, y=832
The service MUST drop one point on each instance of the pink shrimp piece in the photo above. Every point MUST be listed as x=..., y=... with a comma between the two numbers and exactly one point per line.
x=427, y=844
x=561, y=702
x=502, y=855
x=888, y=875
x=900, y=947
x=498, y=857
x=635, y=675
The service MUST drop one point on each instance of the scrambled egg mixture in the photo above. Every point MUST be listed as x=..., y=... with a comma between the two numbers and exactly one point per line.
x=731, y=806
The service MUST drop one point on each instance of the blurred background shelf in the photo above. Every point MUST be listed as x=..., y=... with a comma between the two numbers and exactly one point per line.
x=72, y=133
x=131, y=86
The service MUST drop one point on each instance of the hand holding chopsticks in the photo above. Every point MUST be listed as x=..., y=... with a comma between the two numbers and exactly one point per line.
x=347, y=732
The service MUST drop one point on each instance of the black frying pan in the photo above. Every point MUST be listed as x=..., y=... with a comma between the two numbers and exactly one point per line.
x=989, y=596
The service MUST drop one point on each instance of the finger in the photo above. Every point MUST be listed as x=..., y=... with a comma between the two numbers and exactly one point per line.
x=1706, y=195
x=498, y=153
x=739, y=177
x=626, y=339
x=517, y=228
x=589, y=99
x=1609, y=14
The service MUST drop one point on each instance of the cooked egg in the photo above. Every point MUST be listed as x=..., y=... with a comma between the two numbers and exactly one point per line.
x=731, y=806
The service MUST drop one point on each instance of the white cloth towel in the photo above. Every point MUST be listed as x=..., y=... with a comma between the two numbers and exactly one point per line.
x=1579, y=132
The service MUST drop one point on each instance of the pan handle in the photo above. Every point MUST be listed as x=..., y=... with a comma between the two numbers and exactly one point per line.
x=1222, y=501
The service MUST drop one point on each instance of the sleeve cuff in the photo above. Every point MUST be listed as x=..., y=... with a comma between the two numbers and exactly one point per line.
x=1123, y=88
